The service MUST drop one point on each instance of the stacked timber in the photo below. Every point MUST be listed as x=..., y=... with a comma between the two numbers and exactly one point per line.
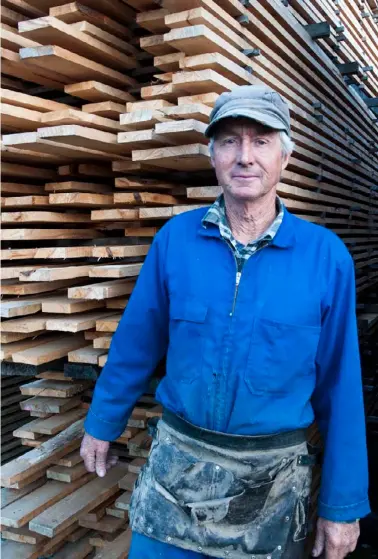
x=104, y=107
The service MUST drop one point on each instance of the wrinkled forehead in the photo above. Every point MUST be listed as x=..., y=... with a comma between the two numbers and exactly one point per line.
x=242, y=126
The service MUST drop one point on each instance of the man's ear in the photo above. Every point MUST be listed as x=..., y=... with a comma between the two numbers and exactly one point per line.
x=285, y=162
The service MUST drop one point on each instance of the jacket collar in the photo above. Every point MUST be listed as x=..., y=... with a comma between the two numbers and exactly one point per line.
x=284, y=238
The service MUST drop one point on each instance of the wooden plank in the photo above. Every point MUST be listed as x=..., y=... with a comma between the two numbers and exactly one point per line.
x=24, y=324
x=13, y=66
x=74, y=134
x=142, y=183
x=53, y=273
x=60, y=304
x=200, y=16
x=49, y=351
x=65, y=474
x=104, y=290
x=26, y=171
x=21, y=288
x=21, y=189
x=108, y=524
x=22, y=535
x=86, y=354
x=73, y=116
x=30, y=234
x=108, y=324
x=141, y=119
x=7, y=338
x=188, y=157
x=95, y=92
x=62, y=151
x=75, y=323
x=72, y=66
x=54, y=424
x=63, y=514
x=23, y=8
x=8, y=350
x=77, y=186
x=183, y=131
x=35, y=460
x=75, y=12
x=109, y=39
x=19, y=118
x=36, y=217
x=118, y=549
x=9, y=496
x=70, y=459
x=123, y=502
x=119, y=251
x=100, y=343
x=11, y=309
x=108, y=109
x=81, y=199
x=31, y=102
x=54, y=388
x=75, y=550
x=115, y=271
x=25, y=509
x=50, y=405
x=200, y=39
x=128, y=481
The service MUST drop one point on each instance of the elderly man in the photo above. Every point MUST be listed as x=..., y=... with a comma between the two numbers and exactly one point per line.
x=255, y=309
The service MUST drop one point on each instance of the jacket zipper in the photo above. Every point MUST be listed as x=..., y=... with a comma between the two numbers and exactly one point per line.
x=237, y=279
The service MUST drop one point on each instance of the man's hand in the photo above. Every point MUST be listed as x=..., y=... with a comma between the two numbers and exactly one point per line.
x=96, y=455
x=335, y=539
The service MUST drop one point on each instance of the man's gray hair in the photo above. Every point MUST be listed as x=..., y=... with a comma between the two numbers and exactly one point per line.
x=287, y=144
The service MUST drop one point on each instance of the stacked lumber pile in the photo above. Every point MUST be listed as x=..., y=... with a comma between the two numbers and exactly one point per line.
x=104, y=108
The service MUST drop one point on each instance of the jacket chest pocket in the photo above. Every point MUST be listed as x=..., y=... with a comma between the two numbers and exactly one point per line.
x=186, y=339
x=280, y=356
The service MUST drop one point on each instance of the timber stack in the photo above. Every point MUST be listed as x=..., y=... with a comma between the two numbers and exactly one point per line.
x=105, y=103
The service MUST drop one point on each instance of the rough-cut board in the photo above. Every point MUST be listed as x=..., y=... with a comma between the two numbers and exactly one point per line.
x=53, y=424
x=36, y=460
x=63, y=514
x=95, y=91
x=49, y=351
x=108, y=524
x=73, y=66
x=104, y=290
x=73, y=116
x=31, y=102
x=65, y=474
x=75, y=323
x=53, y=388
x=50, y=405
x=31, y=505
x=50, y=30
x=75, y=12
x=87, y=354
x=189, y=157
x=117, y=549
x=62, y=305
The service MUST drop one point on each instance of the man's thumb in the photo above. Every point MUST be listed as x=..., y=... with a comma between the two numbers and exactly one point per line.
x=319, y=542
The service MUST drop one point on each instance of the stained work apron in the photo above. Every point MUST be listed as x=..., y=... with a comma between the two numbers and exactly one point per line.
x=223, y=495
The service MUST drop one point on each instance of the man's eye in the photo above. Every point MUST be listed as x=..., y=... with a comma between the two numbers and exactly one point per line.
x=261, y=142
x=229, y=141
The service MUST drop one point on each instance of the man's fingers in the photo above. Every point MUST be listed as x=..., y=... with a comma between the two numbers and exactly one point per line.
x=319, y=541
x=101, y=458
x=88, y=455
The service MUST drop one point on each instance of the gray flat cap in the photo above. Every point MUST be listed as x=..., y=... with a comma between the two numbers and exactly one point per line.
x=257, y=102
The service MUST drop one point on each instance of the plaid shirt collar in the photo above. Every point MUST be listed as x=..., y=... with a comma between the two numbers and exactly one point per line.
x=216, y=215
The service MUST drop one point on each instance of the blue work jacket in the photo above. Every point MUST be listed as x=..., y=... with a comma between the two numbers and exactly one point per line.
x=266, y=356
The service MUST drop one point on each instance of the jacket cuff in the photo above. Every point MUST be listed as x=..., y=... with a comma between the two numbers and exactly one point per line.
x=347, y=513
x=101, y=429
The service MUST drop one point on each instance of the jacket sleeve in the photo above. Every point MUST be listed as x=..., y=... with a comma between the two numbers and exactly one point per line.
x=338, y=403
x=139, y=343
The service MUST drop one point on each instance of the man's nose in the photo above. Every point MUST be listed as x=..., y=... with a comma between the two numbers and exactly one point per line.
x=246, y=152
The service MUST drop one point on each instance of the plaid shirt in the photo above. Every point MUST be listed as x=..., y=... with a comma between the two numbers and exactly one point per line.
x=217, y=216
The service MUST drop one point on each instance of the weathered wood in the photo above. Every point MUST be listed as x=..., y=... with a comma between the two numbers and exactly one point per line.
x=103, y=290
x=50, y=405
x=30, y=506
x=118, y=549
x=49, y=351
x=35, y=460
x=66, y=474
x=53, y=388
x=72, y=66
x=63, y=514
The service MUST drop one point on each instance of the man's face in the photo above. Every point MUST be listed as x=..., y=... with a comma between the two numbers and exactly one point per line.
x=247, y=158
